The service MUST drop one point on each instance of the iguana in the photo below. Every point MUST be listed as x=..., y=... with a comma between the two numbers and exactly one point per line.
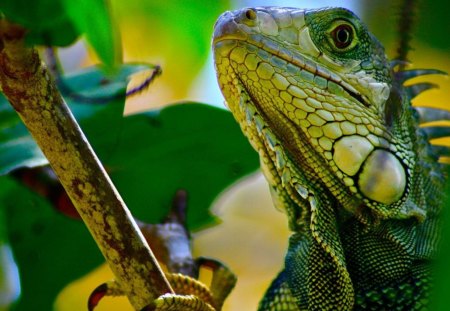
x=341, y=148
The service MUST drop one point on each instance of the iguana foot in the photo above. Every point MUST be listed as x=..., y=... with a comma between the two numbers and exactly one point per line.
x=174, y=302
x=191, y=294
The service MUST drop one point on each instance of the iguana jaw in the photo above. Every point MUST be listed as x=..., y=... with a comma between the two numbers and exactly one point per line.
x=326, y=112
x=224, y=42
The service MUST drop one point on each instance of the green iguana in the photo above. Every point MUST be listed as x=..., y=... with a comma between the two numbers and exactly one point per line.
x=342, y=151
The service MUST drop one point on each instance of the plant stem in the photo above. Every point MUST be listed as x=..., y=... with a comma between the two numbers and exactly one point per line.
x=30, y=89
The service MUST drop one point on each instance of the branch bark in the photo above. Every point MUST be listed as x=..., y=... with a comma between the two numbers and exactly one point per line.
x=30, y=89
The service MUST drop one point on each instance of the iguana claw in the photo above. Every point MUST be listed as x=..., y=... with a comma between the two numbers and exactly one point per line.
x=105, y=289
x=96, y=295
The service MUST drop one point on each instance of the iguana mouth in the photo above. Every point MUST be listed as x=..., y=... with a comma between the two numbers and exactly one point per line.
x=296, y=59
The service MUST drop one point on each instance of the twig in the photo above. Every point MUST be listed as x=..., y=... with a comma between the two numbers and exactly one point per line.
x=171, y=239
x=30, y=89
x=55, y=68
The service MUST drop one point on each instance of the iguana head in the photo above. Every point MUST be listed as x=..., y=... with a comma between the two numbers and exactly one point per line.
x=313, y=91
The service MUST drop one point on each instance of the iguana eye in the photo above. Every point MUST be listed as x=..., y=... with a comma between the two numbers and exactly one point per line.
x=343, y=36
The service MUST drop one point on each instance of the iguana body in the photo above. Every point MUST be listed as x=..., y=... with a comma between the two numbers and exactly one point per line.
x=344, y=157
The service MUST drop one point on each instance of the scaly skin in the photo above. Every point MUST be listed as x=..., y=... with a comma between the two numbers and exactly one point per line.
x=344, y=157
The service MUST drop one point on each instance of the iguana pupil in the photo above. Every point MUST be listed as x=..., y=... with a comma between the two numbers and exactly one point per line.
x=342, y=36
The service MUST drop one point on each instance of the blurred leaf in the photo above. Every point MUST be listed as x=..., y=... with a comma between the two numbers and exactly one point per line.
x=51, y=249
x=18, y=149
x=93, y=18
x=441, y=287
x=194, y=147
x=431, y=22
x=46, y=21
x=433, y=25
x=60, y=22
x=175, y=34
x=178, y=28
x=93, y=83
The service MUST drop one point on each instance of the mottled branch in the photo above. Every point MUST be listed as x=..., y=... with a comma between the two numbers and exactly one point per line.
x=30, y=89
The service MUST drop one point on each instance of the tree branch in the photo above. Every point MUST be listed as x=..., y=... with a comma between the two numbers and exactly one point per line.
x=30, y=89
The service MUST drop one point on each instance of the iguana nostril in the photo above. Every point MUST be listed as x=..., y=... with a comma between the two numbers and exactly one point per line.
x=250, y=14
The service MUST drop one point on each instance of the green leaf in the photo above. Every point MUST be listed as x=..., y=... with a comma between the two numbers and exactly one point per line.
x=440, y=298
x=93, y=18
x=46, y=20
x=194, y=147
x=92, y=82
x=17, y=147
x=176, y=33
x=60, y=22
x=432, y=19
x=50, y=249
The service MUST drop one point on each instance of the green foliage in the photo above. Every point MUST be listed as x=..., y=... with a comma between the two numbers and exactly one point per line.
x=17, y=148
x=188, y=23
x=50, y=249
x=193, y=147
x=430, y=21
x=47, y=20
x=93, y=18
x=433, y=24
x=441, y=299
x=176, y=33
x=149, y=156
x=61, y=22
